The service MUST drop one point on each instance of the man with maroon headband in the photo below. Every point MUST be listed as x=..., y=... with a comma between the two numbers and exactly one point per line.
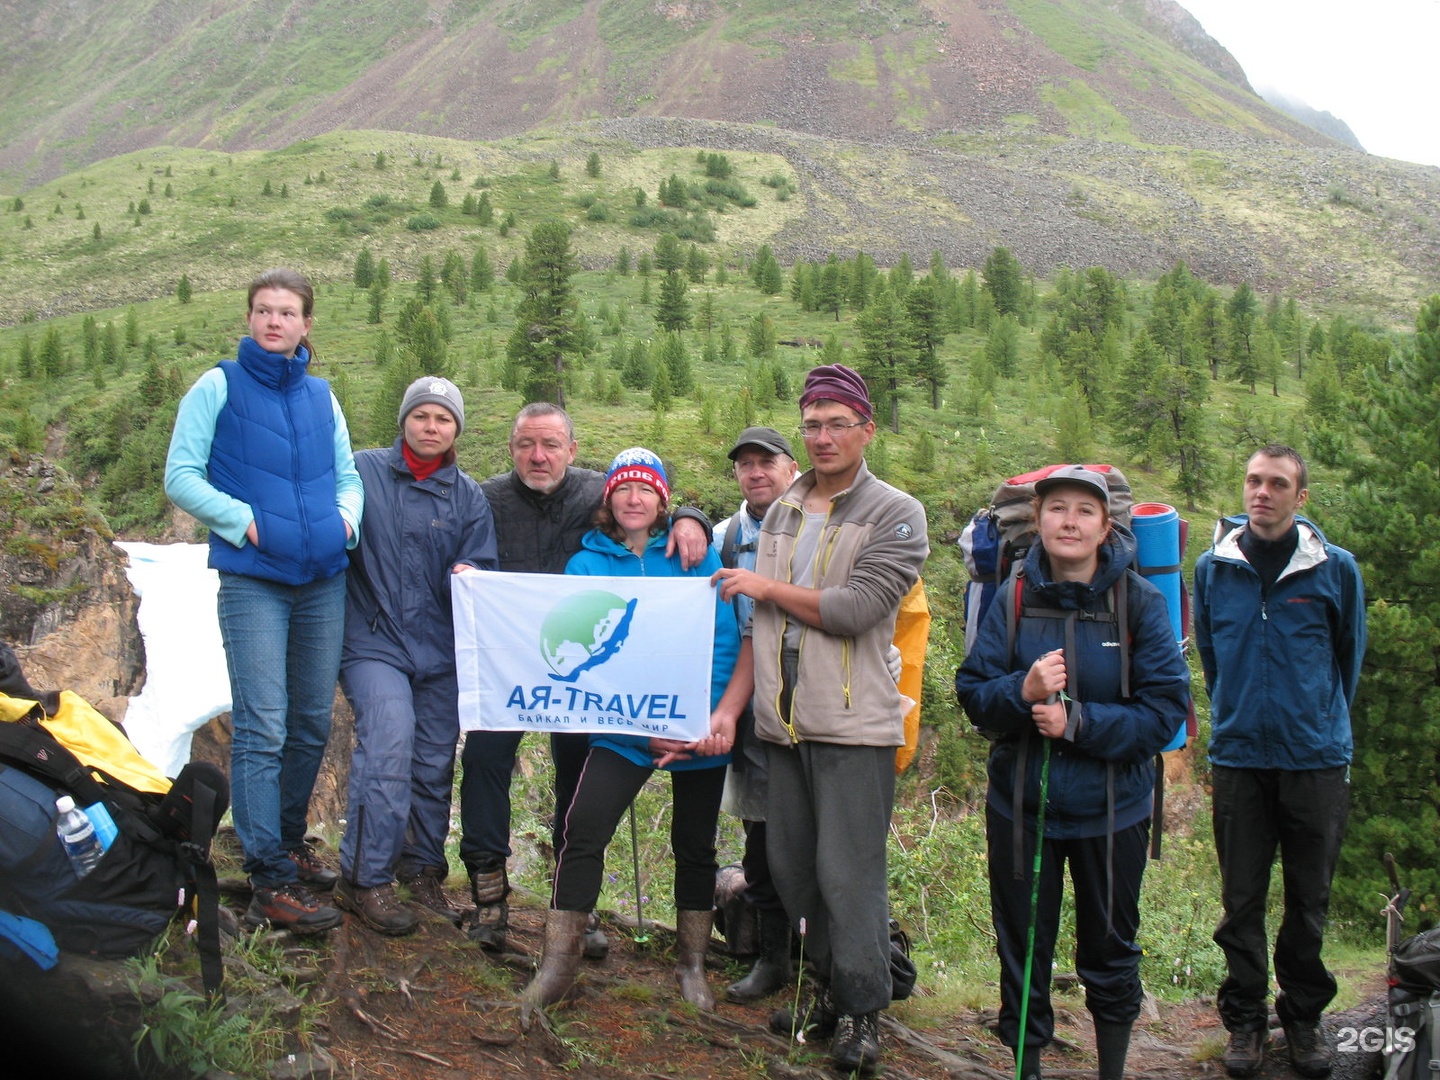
x=837, y=553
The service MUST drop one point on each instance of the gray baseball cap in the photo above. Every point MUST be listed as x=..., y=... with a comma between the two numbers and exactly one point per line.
x=1076, y=474
x=767, y=439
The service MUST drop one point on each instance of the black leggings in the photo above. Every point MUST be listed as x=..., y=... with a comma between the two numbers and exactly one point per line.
x=608, y=784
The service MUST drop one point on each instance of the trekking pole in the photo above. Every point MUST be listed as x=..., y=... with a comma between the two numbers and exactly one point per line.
x=641, y=937
x=1034, y=901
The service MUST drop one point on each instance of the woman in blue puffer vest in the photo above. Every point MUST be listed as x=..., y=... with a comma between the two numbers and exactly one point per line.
x=261, y=456
x=1063, y=679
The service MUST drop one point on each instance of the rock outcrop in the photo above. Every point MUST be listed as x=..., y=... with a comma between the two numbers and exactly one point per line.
x=65, y=603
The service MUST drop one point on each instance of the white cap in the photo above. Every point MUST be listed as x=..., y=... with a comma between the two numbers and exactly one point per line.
x=64, y=804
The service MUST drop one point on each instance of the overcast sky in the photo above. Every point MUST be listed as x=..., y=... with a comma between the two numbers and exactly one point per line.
x=1371, y=64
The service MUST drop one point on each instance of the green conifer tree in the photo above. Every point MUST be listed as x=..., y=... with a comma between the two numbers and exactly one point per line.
x=1385, y=516
x=547, y=316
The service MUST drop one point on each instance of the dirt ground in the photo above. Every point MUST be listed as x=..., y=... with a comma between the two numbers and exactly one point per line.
x=433, y=1007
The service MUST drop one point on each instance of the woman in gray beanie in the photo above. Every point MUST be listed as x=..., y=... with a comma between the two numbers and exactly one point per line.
x=425, y=520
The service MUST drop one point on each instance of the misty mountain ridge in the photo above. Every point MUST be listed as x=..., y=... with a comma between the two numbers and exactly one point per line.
x=1325, y=122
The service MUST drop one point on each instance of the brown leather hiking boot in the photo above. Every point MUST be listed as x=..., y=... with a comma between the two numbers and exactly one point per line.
x=290, y=907
x=427, y=888
x=311, y=871
x=1245, y=1052
x=1309, y=1054
x=377, y=908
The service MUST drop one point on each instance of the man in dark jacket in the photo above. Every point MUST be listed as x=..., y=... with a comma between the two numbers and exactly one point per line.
x=425, y=520
x=542, y=507
x=1280, y=625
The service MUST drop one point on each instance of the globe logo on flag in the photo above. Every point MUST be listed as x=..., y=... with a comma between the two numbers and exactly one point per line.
x=583, y=631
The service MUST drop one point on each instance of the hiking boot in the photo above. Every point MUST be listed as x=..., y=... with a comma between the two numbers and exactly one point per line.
x=492, y=914
x=597, y=945
x=856, y=1047
x=290, y=907
x=1245, y=1052
x=427, y=888
x=310, y=870
x=817, y=1018
x=1309, y=1054
x=377, y=908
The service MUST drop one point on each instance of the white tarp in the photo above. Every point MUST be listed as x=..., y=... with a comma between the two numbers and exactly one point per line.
x=558, y=652
x=186, y=682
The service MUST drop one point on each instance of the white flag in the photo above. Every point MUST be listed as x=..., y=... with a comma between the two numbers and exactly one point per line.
x=560, y=652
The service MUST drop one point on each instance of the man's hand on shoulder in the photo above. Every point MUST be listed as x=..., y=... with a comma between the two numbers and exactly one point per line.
x=687, y=536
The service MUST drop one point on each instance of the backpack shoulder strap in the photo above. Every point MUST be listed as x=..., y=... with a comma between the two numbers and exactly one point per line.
x=1120, y=599
x=36, y=751
x=730, y=547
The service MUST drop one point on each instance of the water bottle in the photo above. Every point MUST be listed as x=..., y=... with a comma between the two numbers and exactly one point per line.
x=77, y=834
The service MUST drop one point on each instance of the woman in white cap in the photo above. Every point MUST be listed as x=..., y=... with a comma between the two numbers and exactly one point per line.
x=425, y=521
x=1075, y=666
x=632, y=527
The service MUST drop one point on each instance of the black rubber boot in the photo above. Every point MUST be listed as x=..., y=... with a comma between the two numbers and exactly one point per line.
x=1112, y=1045
x=773, y=969
x=1031, y=1071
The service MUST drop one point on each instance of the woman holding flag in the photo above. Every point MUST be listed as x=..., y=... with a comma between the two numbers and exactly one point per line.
x=629, y=538
x=1077, y=677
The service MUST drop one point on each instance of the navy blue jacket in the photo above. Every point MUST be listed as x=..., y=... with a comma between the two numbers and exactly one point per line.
x=397, y=607
x=1105, y=729
x=274, y=448
x=1281, y=670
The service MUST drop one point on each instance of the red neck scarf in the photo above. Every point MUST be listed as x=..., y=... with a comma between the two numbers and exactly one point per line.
x=421, y=470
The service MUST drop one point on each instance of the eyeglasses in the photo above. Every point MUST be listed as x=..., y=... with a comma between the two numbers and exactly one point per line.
x=834, y=428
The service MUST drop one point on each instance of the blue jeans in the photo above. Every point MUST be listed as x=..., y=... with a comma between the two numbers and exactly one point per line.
x=282, y=648
x=401, y=771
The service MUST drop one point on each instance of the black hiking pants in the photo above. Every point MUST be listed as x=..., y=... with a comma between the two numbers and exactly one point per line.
x=1302, y=815
x=1107, y=959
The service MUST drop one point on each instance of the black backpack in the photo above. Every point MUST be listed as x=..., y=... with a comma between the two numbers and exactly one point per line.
x=157, y=866
x=1412, y=1050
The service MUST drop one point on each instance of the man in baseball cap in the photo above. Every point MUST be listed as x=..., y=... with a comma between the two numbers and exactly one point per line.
x=764, y=467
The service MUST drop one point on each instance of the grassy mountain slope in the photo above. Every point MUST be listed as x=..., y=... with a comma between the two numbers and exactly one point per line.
x=1336, y=227
x=1075, y=132
x=93, y=79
